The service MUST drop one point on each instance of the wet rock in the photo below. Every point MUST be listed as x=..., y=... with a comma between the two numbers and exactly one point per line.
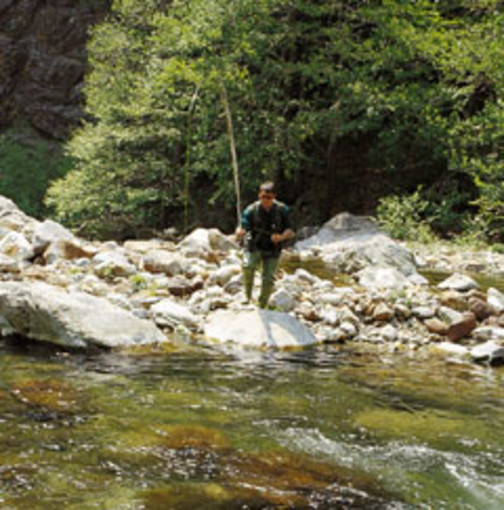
x=257, y=328
x=51, y=394
x=458, y=282
x=461, y=328
x=491, y=352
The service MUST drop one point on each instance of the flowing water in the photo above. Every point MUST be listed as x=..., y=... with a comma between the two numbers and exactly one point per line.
x=194, y=428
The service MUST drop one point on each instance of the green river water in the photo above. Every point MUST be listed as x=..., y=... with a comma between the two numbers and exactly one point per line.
x=329, y=427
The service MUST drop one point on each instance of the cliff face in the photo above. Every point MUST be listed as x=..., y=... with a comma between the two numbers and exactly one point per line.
x=43, y=61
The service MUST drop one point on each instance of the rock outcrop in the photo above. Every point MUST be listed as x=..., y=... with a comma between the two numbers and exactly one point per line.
x=43, y=61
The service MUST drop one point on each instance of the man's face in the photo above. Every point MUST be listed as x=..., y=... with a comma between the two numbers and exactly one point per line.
x=266, y=199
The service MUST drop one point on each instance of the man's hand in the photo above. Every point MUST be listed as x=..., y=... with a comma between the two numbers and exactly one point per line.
x=284, y=236
x=240, y=232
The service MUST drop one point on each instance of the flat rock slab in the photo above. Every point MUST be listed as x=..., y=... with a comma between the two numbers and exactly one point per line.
x=47, y=313
x=258, y=328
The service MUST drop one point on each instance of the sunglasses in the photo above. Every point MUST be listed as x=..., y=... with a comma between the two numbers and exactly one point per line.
x=266, y=196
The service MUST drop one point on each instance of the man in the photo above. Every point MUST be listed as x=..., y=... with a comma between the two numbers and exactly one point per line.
x=266, y=226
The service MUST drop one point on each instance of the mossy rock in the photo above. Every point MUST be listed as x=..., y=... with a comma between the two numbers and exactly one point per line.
x=432, y=428
x=51, y=394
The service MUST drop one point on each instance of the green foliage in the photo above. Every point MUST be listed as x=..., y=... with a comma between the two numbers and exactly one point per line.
x=418, y=84
x=403, y=217
x=27, y=165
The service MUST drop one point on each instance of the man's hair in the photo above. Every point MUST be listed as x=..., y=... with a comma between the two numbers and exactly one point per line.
x=267, y=187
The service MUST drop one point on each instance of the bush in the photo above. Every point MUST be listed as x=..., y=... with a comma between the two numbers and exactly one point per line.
x=403, y=217
x=27, y=166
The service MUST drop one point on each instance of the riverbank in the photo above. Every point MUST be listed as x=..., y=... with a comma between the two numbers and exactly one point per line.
x=58, y=288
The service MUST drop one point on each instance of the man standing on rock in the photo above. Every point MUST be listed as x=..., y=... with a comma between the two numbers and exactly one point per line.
x=266, y=225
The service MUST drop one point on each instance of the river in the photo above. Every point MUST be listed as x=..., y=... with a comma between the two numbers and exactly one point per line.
x=195, y=428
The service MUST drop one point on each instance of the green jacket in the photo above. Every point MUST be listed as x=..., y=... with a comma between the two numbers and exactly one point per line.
x=261, y=224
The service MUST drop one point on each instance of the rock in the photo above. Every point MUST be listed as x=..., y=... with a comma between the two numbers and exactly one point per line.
x=46, y=313
x=449, y=315
x=48, y=232
x=201, y=242
x=491, y=352
x=349, y=329
x=495, y=299
x=488, y=333
x=68, y=249
x=224, y=274
x=181, y=287
x=282, y=300
x=305, y=276
x=350, y=243
x=382, y=278
x=382, y=312
x=401, y=310
x=11, y=217
x=160, y=261
x=257, y=328
x=418, y=280
x=308, y=312
x=458, y=282
x=16, y=246
x=112, y=263
x=8, y=264
x=451, y=348
x=168, y=313
x=454, y=299
x=437, y=326
x=336, y=297
x=461, y=328
x=481, y=308
x=388, y=333
x=423, y=312
x=234, y=285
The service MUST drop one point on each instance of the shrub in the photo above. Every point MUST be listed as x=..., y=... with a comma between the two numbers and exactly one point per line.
x=403, y=217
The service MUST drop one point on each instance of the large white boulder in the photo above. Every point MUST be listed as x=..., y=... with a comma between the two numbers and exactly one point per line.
x=47, y=313
x=257, y=328
x=348, y=243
